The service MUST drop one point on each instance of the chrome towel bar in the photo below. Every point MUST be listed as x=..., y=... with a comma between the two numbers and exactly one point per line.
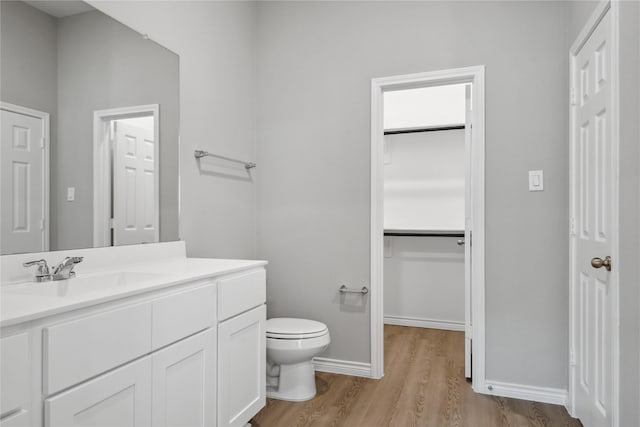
x=344, y=290
x=198, y=154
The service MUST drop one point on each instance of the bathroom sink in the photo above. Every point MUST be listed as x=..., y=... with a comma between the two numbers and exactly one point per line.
x=86, y=284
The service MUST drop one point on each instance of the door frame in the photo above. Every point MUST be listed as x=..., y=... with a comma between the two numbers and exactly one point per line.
x=46, y=168
x=474, y=75
x=102, y=167
x=611, y=6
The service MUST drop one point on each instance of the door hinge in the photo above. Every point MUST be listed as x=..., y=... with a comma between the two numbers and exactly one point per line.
x=572, y=96
x=42, y=224
x=112, y=223
x=572, y=226
x=43, y=143
x=572, y=358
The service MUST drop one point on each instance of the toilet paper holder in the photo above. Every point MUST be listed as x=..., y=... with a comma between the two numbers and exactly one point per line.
x=344, y=290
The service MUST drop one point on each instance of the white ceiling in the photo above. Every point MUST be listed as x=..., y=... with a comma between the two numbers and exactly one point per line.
x=60, y=8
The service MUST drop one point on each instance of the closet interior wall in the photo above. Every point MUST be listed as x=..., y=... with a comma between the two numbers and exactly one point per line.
x=424, y=191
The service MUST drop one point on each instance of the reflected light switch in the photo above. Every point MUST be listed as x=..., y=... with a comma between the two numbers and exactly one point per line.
x=536, y=181
x=71, y=194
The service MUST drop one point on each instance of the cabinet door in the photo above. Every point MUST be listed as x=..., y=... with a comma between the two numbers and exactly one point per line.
x=118, y=398
x=15, y=380
x=241, y=367
x=184, y=382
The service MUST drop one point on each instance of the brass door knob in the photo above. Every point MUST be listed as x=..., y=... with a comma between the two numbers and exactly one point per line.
x=599, y=263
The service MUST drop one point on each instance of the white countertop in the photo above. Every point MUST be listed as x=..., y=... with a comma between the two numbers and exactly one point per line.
x=30, y=301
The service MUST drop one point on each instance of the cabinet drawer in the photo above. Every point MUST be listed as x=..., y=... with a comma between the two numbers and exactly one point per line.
x=82, y=348
x=14, y=376
x=182, y=314
x=240, y=293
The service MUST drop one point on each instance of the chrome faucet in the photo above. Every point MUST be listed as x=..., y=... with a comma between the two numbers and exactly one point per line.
x=62, y=271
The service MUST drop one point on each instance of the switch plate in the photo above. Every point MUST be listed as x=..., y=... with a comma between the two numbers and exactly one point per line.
x=536, y=181
x=71, y=194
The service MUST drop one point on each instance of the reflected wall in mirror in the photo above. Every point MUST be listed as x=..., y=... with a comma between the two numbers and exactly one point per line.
x=90, y=121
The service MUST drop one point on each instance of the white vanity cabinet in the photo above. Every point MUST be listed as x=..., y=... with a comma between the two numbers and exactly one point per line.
x=188, y=355
x=241, y=347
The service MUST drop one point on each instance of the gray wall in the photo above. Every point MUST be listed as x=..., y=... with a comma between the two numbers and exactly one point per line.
x=216, y=44
x=579, y=12
x=103, y=64
x=28, y=67
x=315, y=64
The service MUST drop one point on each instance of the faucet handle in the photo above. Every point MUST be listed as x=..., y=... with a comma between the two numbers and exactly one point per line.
x=36, y=262
x=42, y=273
x=43, y=267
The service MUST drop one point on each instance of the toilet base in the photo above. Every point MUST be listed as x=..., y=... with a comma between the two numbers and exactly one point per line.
x=296, y=383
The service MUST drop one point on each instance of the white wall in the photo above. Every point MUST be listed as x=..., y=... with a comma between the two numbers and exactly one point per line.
x=315, y=64
x=216, y=44
x=424, y=280
x=424, y=180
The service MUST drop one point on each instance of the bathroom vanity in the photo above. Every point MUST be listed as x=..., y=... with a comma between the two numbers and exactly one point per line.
x=141, y=336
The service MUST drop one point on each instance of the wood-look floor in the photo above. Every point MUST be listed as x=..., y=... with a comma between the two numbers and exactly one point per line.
x=424, y=385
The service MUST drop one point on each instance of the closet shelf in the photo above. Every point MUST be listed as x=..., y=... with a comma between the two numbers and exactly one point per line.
x=424, y=233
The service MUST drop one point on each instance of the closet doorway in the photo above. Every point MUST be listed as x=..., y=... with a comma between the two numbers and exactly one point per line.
x=427, y=209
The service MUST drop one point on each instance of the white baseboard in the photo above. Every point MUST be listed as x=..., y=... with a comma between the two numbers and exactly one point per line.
x=345, y=367
x=555, y=396
x=424, y=323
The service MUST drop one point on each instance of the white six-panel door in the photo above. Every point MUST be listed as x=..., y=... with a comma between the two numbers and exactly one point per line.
x=594, y=228
x=25, y=183
x=135, y=197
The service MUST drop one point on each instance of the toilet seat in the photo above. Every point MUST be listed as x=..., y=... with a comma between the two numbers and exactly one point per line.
x=288, y=328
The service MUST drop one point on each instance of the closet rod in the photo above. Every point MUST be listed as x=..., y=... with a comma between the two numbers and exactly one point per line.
x=424, y=129
x=422, y=234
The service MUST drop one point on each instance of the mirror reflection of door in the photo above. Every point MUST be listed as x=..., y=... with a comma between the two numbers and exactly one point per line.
x=135, y=200
x=25, y=180
x=126, y=176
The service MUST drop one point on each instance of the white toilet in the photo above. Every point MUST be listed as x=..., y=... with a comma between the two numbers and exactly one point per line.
x=291, y=345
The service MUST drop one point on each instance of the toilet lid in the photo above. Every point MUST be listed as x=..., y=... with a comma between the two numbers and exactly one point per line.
x=290, y=328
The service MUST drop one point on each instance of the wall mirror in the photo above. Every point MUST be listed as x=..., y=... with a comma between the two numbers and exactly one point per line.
x=90, y=130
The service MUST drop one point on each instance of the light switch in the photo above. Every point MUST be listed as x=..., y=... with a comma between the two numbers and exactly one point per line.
x=536, y=181
x=71, y=194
